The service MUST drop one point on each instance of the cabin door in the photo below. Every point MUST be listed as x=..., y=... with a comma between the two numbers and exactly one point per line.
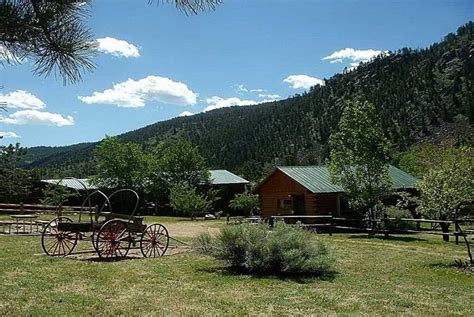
x=298, y=204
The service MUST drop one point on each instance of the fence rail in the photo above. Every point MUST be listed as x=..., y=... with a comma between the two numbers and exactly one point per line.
x=23, y=218
x=386, y=225
x=35, y=208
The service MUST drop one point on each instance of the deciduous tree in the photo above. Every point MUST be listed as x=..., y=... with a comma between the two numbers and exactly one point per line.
x=359, y=156
x=246, y=202
x=181, y=162
x=447, y=190
x=122, y=164
x=186, y=200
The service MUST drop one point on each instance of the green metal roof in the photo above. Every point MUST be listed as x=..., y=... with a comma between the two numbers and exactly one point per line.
x=79, y=184
x=220, y=177
x=316, y=178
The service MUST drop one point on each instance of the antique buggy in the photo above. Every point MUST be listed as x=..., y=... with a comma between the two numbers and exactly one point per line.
x=112, y=231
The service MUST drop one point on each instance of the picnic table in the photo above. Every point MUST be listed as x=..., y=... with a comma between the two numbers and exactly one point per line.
x=24, y=219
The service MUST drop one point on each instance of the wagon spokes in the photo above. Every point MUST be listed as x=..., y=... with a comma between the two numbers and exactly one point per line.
x=56, y=242
x=113, y=239
x=154, y=241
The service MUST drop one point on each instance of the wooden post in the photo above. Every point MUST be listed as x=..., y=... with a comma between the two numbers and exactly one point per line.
x=385, y=225
x=21, y=208
x=330, y=224
x=456, y=231
x=96, y=213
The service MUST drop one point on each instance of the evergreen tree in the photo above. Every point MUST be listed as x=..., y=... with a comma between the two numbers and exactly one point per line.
x=54, y=35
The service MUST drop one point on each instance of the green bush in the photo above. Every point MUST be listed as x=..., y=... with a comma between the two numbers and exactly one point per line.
x=186, y=200
x=398, y=213
x=255, y=248
x=246, y=202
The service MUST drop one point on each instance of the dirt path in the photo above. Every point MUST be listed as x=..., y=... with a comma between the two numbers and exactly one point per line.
x=190, y=229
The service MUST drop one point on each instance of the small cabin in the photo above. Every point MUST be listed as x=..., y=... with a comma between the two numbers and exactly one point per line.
x=228, y=184
x=307, y=190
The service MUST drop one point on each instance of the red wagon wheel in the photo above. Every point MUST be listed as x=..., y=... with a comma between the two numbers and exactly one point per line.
x=154, y=241
x=56, y=242
x=113, y=239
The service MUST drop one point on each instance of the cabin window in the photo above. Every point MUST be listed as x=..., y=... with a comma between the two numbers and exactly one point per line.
x=285, y=203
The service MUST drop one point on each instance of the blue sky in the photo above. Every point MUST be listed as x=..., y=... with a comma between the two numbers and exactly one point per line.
x=155, y=62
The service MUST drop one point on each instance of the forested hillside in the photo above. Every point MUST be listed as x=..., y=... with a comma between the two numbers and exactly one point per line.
x=416, y=91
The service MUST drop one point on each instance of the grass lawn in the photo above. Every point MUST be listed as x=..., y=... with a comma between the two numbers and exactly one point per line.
x=409, y=275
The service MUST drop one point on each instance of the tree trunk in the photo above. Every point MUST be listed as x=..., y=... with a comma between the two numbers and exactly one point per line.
x=468, y=246
x=371, y=222
x=445, y=229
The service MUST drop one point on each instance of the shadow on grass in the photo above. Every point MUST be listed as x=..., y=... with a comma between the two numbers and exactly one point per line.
x=298, y=278
x=389, y=238
x=116, y=259
x=461, y=265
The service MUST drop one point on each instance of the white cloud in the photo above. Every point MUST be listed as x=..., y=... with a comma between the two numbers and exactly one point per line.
x=135, y=93
x=119, y=48
x=216, y=102
x=353, y=66
x=303, y=81
x=352, y=55
x=8, y=135
x=23, y=117
x=6, y=55
x=185, y=114
x=271, y=97
x=21, y=99
x=242, y=88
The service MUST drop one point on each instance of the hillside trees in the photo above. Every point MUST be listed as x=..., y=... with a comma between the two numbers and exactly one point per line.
x=359, y=156
x=418, y=94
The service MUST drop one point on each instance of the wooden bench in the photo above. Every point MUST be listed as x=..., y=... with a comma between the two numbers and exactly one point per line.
x=35, y=208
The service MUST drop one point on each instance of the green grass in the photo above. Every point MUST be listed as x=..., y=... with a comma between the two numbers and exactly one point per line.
x=410, y=275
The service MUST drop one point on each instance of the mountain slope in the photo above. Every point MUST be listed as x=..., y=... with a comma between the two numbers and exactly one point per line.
x=416, y=91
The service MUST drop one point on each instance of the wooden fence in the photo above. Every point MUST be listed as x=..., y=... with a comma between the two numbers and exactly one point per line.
x=28, y=208
x=386, y=226
x=23, y=218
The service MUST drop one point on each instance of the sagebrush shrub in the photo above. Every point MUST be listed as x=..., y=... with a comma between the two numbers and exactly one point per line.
x=256, y=248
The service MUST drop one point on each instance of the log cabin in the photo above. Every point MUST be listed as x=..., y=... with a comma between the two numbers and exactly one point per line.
x=307, y=190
